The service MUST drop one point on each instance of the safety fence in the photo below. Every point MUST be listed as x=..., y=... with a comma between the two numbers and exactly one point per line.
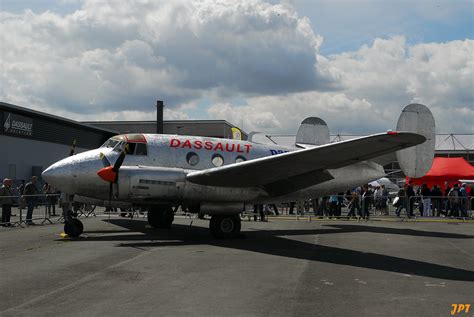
x=41, y=208
x=348, y=206
x=47, y=208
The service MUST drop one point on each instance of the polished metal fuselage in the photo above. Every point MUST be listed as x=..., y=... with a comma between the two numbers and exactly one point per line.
x=160, y=176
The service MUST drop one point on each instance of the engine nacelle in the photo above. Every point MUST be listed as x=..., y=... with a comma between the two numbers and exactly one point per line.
x=142, y=183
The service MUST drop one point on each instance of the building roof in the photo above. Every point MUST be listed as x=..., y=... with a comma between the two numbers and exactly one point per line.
x=31, y=112
x=164, y=121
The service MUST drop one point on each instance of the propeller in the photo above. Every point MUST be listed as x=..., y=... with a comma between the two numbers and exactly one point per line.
x=73, y=148
x=104, y=159
x=109, y=173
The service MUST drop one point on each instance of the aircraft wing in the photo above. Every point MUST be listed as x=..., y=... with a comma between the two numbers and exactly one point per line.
x=306, y=167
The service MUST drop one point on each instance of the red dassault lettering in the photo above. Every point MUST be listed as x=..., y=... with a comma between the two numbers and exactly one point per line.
x=238, y=149
x=247, y=147
x=197, y=145
x=227, y=147
x=187, y=144
x=219, y=147
x=208, y=145
x=174, y=143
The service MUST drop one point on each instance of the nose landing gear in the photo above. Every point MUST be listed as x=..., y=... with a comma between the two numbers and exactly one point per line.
x=73, y=227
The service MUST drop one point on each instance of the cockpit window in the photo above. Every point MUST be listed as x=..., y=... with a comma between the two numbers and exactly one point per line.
x=136, y=143
x=111, y=143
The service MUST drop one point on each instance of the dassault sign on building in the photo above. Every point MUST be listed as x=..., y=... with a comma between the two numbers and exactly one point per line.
x=18, y=125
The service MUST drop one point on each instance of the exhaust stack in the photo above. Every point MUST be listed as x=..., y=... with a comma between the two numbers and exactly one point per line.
x=159, y=116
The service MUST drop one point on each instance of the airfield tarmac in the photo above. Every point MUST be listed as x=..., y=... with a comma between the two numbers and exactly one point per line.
x=277, y=268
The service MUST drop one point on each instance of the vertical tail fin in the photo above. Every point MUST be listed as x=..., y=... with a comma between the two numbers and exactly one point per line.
x=313, y=130
x=416, y=161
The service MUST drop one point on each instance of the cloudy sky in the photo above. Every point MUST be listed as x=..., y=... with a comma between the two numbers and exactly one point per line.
x=263, y=65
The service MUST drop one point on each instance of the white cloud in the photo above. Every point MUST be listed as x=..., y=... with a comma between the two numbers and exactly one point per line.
x=378, y=81
x=254, y=62
x=123, y=55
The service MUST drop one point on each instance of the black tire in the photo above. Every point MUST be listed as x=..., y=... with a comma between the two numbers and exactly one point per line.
x=225, y=227
x=161, y=217
x=73, y=228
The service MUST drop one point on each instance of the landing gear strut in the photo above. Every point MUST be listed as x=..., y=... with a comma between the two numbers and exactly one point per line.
x=73, y=227
x=225, y=226
x=161, y=216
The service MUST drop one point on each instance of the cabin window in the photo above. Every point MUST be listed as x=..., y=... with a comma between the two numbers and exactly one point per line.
x=136, y=149
x=240, y=159
x=141, y=149
x=217, y=160
x=192, y=158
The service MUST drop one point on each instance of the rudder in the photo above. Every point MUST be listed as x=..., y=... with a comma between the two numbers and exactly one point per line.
x=416, y=161
x=314, y=131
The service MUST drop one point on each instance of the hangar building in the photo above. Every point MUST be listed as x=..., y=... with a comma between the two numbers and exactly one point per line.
x=33, y=140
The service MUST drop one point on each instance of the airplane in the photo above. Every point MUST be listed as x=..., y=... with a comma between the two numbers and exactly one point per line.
x=218, y=177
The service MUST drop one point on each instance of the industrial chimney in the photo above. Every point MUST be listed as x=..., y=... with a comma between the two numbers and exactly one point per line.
x=159, y=116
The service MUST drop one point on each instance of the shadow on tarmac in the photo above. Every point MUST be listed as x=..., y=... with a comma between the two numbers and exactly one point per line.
x=273, y=242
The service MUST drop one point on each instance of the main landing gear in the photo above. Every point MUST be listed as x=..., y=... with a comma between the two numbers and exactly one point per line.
x=225, y=226
x=160, y=216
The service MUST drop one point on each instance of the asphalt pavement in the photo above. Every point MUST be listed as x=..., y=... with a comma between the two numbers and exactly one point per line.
x=122, y=267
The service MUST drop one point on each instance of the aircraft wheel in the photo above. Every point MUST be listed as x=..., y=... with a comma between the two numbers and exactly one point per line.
x=225, y=227
x=161, y=217
x=73, y=227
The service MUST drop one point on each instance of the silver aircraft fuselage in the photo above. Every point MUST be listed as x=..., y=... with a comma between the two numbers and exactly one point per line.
x=155, y=172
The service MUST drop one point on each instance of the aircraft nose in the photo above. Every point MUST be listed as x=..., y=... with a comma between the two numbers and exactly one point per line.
x=77, y=174
x=56, y=174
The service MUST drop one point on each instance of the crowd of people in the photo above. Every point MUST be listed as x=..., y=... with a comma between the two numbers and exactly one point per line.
x=454, y=202
x=361, y=201
x=26, y=196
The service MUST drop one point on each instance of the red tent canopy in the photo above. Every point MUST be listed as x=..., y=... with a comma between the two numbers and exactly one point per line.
x=445, y=169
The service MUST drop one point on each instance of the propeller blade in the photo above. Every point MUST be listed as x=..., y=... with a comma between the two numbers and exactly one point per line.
x=120, y=159
x=73, y=148
x=105, y=160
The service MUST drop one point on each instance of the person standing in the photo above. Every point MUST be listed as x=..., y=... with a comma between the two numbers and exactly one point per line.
x=384, y=200
x=50, y=199
x=29, y=195
x=436, y=200
x=454, y=200
x=447, y=204
x=410, y=201
x=354, y=203
x=6, y=201
x=402, y=202
x=366, y=199
x=463, y=200
x=425, y=194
